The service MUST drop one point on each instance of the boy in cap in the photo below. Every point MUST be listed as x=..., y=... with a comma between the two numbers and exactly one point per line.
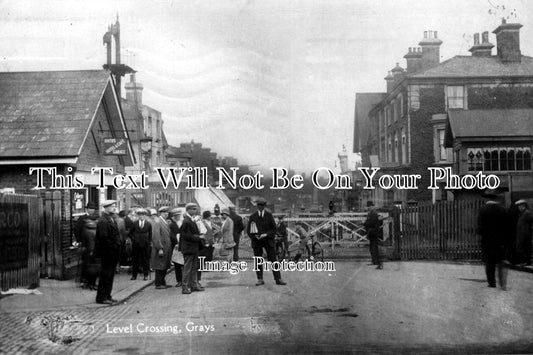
x=107, y=248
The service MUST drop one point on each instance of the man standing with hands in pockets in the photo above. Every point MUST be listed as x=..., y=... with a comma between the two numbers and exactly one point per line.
x=191, y=242
x=262, y=229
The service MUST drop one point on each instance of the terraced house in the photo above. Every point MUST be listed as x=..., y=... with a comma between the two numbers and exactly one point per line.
x=468, y=113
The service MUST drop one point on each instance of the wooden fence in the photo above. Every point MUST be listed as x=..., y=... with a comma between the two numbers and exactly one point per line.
x=20, y=240
x=444, y=230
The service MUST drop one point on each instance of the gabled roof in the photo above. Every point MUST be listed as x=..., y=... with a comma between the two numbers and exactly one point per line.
x=490, y=123
x=470, y=66
x=49, y=114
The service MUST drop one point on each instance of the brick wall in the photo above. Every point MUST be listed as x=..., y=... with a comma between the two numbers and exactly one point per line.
x=430, y=102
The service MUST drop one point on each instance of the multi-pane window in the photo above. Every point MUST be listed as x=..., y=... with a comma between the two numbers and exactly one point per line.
x=396, y=152
x=456, y=96
x=442, y=148
x=404, y=147
x=389, y=149
x=499, y=158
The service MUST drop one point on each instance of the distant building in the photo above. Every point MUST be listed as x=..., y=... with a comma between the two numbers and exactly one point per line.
x=462, y=113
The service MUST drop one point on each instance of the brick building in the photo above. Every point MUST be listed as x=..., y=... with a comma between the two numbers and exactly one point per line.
x=60, y=120
x=481, y=93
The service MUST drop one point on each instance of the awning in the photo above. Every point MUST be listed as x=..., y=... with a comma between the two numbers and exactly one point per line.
x=208, y=198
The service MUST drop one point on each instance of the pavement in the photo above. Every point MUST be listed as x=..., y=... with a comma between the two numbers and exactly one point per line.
x=60, y=294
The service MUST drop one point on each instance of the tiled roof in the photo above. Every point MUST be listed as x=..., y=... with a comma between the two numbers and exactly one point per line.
x=491, y=123
x=469, y=66
x=47, y=113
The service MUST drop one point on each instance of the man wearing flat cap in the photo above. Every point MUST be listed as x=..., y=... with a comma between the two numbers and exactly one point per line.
x=141, y=237
x=107, y=248
x=161, y=247
x=191, y=243
x=262, y=230
x=493, y=227
x=524, y=230
x=85, y=233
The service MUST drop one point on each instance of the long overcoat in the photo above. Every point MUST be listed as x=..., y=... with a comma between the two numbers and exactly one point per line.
x=161, y=241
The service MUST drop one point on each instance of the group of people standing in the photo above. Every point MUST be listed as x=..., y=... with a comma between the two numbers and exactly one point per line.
x=505, y=236
x=157, y=239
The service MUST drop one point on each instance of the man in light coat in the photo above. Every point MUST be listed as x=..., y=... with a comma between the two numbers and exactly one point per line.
x=161, y=247
x=226, y=232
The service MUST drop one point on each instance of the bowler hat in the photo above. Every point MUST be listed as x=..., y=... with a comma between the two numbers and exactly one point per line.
x=490, y=193
x=108, y=203
x=92, y=205
x=260, y=201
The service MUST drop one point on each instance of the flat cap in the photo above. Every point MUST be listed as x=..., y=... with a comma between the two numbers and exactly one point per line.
x=260, y=201
x=108, y=203
x=225, y=211
x=176, y=211
x=141, y=211
x=520, y=202
x=191, y=205
x=152, y=211
x=163, y=209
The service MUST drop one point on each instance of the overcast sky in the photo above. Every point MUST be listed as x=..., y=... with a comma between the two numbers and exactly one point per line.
x=268, y=82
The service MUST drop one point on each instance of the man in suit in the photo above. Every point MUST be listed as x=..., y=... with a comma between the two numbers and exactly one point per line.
x=238, y=227
x=493, y=227
x=161, y=247
x=191, y=243
x=85, y=232
x=141, y=237
x=262, y=229
x=373, y=228
x=107, y=248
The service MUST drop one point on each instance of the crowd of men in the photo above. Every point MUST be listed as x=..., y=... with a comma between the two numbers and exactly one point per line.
x=154, y=240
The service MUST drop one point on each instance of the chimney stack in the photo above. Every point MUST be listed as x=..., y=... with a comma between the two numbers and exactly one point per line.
x=508, y=42
x=413, y=58
x=134, y=91
x=430, y=49
x=483, y=49
x=390, y=82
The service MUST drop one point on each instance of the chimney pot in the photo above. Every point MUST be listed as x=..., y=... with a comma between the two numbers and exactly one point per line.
x=504, y=21
x=425, y=34
x=476, y=39
x=435, y=33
